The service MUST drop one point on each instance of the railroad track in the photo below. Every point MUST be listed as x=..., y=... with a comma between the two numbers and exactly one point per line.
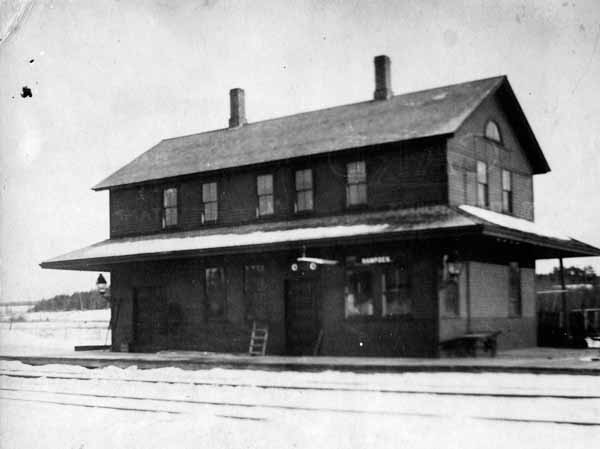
x=341, y=387
x=229, y=405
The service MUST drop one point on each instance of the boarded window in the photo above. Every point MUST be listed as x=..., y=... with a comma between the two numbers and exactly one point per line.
x=356, y=187
x=514, y=296
x=209, y=200
x=492, y=131
x=170, y=213
x=264, y=189
x=304, y=190
x=216, y=292
x=507, y=194
x=358, y=293
x=482, y=185
x=395, y=295
x=255, y=292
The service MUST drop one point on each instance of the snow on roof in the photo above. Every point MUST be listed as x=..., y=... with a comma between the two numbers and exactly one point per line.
x=367, y=224
x=517, y=224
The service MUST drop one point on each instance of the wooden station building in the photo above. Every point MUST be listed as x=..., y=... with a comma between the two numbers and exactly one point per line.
x=378, y=228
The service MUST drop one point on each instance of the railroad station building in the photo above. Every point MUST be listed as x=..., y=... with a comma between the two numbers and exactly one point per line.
x=379, y=228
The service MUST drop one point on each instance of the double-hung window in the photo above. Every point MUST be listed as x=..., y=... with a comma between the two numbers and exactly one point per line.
x=264, y=190
x=304, y=190
x=216, y=293
x=210, y=202
x=395, y=294
x=507, y=195
x=356, y=183
x=255, y=292
x=482, y=184
x=170, y=212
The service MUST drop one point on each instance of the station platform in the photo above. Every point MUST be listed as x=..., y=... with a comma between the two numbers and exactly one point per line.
x=530, y=360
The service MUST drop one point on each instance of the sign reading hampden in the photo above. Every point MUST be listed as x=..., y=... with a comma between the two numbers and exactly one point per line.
x=379, y=228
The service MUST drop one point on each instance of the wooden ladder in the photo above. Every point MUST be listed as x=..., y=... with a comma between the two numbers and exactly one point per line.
x=258, y=339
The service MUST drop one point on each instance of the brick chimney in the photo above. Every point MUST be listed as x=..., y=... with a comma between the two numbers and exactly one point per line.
x=383, y=81
x=238, y=108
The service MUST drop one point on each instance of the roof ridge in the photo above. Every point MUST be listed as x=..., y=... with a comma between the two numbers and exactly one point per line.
x=328, y=108
x=424, y=113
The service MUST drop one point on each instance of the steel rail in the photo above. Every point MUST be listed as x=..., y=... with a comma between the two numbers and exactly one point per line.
x=67, y=376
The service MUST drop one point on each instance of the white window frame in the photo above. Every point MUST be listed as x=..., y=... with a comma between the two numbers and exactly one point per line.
x=304, y=183
x=210, y=202
x=265, y=195
x=356, y=183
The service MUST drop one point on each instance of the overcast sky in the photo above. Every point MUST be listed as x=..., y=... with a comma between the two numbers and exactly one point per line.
x=109, y=79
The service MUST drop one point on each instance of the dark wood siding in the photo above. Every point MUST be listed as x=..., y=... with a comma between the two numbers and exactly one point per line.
x=135, y=210
x=398, y=175
x=181, y=282
x=468, y=146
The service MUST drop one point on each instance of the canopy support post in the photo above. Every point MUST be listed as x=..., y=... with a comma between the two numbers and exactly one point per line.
x=563, y=297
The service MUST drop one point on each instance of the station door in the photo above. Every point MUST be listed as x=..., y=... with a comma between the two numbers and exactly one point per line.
x=301, y=317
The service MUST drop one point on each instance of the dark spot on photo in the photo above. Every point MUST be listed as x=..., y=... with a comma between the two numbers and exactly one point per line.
x=26, y=92
x=31, y=61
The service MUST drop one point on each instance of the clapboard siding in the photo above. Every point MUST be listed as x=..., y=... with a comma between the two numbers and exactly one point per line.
x=398, y=176
x=468, y=146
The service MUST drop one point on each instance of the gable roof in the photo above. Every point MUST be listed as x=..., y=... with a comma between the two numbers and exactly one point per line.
x=426, y=113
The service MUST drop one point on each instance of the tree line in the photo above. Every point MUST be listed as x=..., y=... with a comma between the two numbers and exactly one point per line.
x=89, y=300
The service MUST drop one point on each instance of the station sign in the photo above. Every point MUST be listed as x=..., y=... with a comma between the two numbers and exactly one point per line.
x=375, y=260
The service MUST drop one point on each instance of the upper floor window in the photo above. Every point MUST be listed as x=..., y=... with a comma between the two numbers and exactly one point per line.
x=170, y=213
x=482, y=184
x=264, y=189
x=356, y=183
x=492, y=131
x=304, y=190
x=216, y=293
x=507, y=195
x=209, y=200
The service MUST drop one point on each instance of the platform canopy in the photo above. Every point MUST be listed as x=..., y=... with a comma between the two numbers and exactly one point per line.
x=423, y=222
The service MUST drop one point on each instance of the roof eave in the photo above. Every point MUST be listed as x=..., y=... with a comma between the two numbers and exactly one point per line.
x=103, y=186
x=562, y=248
x=102, y=263
x=539, y=163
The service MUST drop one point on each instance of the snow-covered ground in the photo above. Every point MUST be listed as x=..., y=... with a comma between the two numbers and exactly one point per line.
x=73, y=407
x=53, y=332
x=64, y=406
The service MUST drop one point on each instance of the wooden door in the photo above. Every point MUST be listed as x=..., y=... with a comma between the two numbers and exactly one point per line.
x=149, y=319
x=301, y=317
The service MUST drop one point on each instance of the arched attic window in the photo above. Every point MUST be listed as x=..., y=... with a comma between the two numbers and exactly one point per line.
x=492, y=131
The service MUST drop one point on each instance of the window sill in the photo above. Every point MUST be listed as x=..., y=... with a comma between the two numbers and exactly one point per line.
x=375, y=319
x=357, y=207
x=304, y=213
x=215, y=320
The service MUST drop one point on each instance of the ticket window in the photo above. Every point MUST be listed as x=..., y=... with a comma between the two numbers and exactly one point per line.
x=358, y=292
x=377, y=290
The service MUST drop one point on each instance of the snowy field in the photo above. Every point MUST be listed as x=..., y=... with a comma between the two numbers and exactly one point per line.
x=54, y=332
x=75, y=407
